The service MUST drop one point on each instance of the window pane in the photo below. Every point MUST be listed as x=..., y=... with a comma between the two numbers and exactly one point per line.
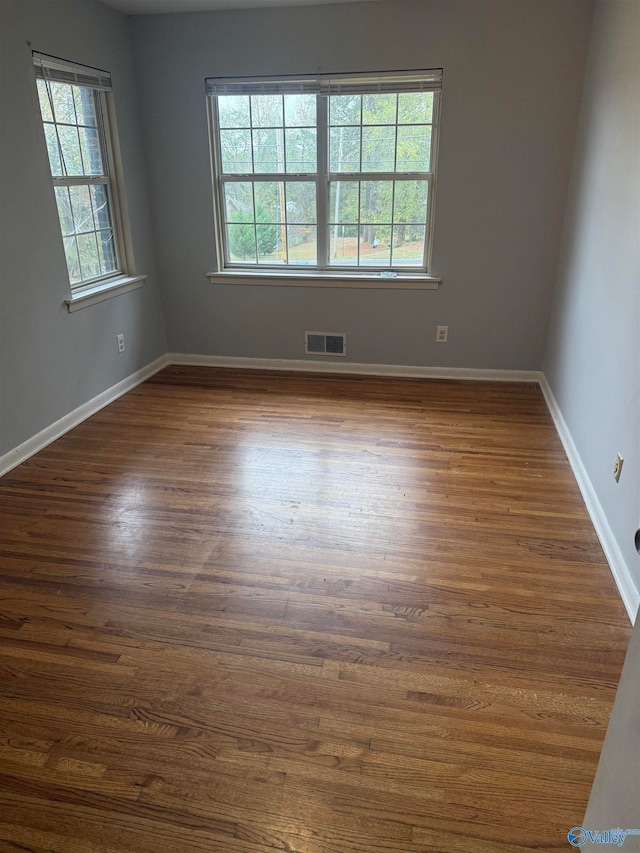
x=343, y=244
x=266, y=110
x=88, y=252
x=53, y=149
x=344, y=149
x=378, y=149
x=70, y=144
x=343, y=201
x=73, y=264
x=408, y=245
x=302, y=155
x=344, y=109
x=269, y=201
x=45, y=104
x=268, y=150
x=75, y=149
x=414, y=147
x=239, y=202
x=300, y=110
x=91, y=154
x=81, y=209
x=63, y=106
x=236, y=151
x=241, y=242
x=85, y=105
x=374, y=218
x=415, y=107
x=233, y=111
x=410, y=202
x=375, y=249
x=64, y=210
x=375, y=201
x=301, y=202
x=303, y=244
x=379, y=109
x=100, y=200
x=107, y=252
x=271, y=249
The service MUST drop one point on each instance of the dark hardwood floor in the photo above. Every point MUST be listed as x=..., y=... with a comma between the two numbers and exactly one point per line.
x=251, y=612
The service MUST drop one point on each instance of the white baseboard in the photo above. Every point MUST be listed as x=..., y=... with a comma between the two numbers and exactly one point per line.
x=619, y=569
x=37, y=442
x=355, y=368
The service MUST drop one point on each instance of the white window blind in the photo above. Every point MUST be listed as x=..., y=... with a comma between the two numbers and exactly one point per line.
x=60, y=71
x=329, y=84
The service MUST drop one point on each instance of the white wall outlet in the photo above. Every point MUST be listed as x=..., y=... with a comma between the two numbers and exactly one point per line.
x=617, y=467
x=442, y=333
x=120, y=340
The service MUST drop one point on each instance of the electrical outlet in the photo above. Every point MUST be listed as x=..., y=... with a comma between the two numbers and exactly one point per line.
x=442, y=333
x=120, y=340
x=617, y=467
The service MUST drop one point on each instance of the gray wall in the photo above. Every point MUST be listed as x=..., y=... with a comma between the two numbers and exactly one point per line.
x=513, y=74
x=513, y=78
x=593, y=353
x=615, y=796
x=52, y=361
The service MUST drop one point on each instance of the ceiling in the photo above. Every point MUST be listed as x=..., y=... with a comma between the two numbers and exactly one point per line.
x=152, y=7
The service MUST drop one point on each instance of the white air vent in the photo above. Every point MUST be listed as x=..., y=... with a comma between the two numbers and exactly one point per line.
x=325, y=343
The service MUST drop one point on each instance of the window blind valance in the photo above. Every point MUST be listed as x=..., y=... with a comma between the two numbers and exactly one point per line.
x=60, y=71
x=429, y=80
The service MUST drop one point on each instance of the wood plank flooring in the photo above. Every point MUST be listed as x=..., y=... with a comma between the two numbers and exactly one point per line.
x=251, y=612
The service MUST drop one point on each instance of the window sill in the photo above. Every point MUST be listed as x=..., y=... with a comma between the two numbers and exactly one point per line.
x=95, y=293
x=373, y=281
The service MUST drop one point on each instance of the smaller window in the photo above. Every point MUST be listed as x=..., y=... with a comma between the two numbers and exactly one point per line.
x=75, y=117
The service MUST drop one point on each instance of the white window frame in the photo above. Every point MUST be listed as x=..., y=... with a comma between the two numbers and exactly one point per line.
x=94, y=289
x=323, y=272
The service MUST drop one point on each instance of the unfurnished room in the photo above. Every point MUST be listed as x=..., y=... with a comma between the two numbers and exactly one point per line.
x=319, y=426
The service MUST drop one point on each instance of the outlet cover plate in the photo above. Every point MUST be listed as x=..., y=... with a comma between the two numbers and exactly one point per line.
x=617, y=467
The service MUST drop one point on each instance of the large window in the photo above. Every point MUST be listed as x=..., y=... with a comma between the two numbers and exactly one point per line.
x=75, y=119
x=326, y=173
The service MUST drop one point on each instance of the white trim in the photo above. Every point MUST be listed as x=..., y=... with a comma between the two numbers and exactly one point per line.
x=323, y=241
x=624, y=581
x=104, y=290
x=120, y=210
x=322, y=87
x=619, y=569
x=39, y=441
x=372, y=280
x=356, y=368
